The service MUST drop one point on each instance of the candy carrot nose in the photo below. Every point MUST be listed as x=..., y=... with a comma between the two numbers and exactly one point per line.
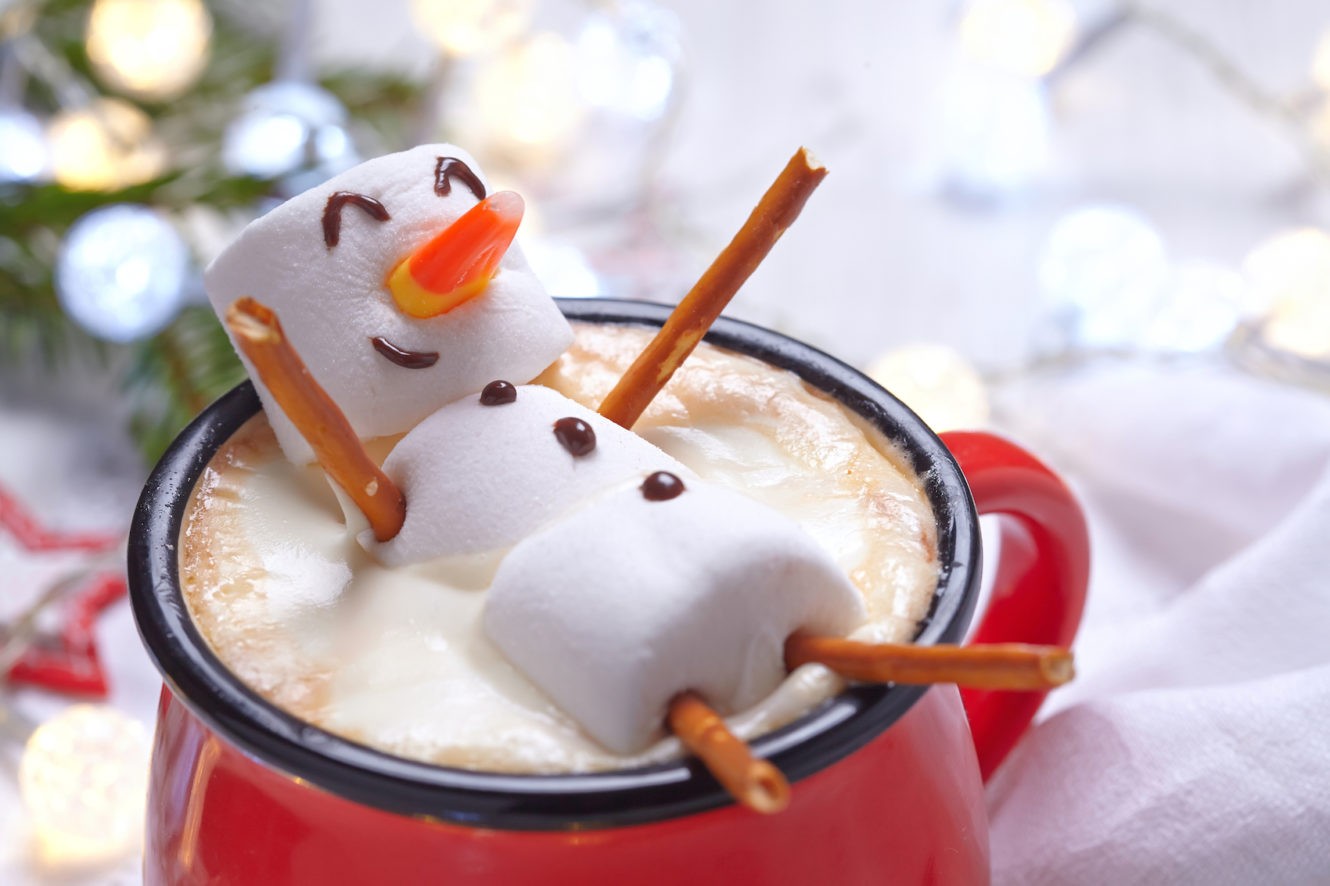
x=458, y=263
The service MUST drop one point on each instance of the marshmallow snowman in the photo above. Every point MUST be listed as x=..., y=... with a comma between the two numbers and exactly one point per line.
x=658, y=588
x=329, y=263
x=622, y=578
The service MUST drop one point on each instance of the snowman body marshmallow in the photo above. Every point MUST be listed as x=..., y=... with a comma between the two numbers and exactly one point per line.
x=633, y=599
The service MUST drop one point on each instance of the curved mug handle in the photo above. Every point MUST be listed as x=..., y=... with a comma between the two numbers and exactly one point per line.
x=1040, y=578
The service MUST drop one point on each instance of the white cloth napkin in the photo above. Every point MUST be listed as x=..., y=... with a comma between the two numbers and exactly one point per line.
x=1194, y=746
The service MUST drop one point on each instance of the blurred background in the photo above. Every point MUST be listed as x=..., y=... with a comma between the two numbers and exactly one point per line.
x=1035, y=207
x=1013, y=179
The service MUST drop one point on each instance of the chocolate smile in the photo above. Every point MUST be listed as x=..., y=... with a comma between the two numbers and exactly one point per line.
x=402, y=357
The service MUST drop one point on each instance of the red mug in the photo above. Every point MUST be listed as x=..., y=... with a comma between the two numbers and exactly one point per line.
x=887, y=780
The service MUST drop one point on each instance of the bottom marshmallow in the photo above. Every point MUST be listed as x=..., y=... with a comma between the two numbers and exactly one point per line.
x=622, y=604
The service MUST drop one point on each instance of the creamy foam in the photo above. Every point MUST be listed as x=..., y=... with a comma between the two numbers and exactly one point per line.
x=397, y=658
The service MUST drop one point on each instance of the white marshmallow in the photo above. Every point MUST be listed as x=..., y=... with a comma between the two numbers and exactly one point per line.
x=333, y=300
x=615, y=609
x=479, y=478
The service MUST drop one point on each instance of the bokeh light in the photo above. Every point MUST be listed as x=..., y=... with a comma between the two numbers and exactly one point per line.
x=288, y=126
x=1026, y=37
x=562, y=268
x=1321, y=62
x=626, y=56
x=122, y=272
x=1201, y=306
x=105, y=145
x=149, y=49
x=1102, y=272
x=25, y=156
x=1290, y=277
x=528, y=98
x=470, y=27
x=995, y=133
x=83, y=779
x=936, y=382
x=1318, y=126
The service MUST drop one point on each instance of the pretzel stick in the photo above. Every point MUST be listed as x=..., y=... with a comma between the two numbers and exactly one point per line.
x=691, y=319
x=258, y=333
x=755, y=783
x=994, y=666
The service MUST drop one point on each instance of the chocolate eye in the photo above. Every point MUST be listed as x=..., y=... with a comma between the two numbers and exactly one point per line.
x=332, y=213
x=661, y=486
x=449, y=168
x=575, y=435
x=497, y=393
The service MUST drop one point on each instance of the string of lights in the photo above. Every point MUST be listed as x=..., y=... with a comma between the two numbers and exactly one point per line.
x=1110, y=288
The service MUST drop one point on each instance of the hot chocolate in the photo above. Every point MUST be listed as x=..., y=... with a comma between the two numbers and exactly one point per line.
x=416, y=605
x=396, y=657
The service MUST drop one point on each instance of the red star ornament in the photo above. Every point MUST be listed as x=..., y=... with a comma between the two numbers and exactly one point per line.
x=66, y=661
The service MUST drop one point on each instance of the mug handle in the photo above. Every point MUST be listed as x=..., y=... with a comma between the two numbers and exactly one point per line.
x=1039, y=580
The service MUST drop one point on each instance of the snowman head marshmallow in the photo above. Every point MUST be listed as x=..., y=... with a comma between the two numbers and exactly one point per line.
x=397, y=285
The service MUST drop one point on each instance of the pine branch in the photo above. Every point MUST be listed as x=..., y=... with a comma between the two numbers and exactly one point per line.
x=33, y=328
x=176, y=374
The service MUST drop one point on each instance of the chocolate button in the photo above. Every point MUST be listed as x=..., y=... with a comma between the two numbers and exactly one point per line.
x=661, y=486
x=575, y=435
x=497, y=393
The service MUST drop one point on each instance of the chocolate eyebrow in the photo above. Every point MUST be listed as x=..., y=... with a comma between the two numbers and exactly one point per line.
x=332, y=213
x=449, y=168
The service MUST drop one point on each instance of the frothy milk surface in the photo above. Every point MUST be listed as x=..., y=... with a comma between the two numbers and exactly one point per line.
x=397, y=658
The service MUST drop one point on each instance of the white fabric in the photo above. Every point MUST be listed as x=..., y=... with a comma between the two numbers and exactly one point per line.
x=332, y=300
x=1194, y=746
x=625, y=603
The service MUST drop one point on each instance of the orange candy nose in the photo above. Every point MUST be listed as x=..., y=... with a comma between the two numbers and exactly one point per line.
x=458, y=263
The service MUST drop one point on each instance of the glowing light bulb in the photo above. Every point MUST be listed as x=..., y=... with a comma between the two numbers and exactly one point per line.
x=122, y=272
x=289, y=129
x=1319, y=124
x=83, y=779
x=937, y=383
x=1026, y=37
x=995, y=133
x=627, y=54
x=1321, y=62
x=150, y=49
x=562, y=268
x=469, y=27
x=1102, y=271
x=528, y=98
x=1203, y=303
x=24, y=157
x=103, y=146
x=1290, y=276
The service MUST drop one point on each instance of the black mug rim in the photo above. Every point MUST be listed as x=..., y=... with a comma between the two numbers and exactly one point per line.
x=826, y=734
